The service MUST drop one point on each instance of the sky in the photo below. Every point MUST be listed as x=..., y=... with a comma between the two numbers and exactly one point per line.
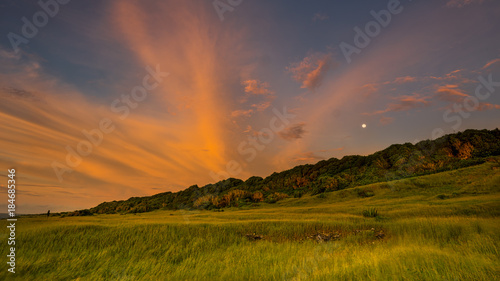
x=106, y=100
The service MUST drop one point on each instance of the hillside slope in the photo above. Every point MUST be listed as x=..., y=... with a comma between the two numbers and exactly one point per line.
x=471, y=147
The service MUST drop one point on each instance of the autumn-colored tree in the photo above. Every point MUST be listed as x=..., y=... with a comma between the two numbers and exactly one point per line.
x=257, y=197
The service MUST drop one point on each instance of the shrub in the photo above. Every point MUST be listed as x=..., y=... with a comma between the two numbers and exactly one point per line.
x=257, y=197
x=442, y=196
x=297, y=194
x=270, y=200
x=275, y=197
x=280, y=196
x=204, y=201
x=318, y=190
x=370, y=213
x=364, y=193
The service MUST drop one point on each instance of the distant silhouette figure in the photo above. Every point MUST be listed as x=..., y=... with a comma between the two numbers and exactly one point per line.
x=48, y=213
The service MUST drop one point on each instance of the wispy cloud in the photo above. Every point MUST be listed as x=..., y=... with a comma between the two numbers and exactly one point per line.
x=320, y=17
x=404, y=80
x=491, y=63
x=293, y=132
x=450, y=94
x=386, y=120
x=307, y=157
x=241, y=112
x=260, y=97
x=404, y=103
x=462, y=3
x=456, y=96
x=256, y=87
x=311, y=71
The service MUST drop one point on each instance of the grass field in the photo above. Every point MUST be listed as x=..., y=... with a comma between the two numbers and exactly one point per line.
x=438, y=227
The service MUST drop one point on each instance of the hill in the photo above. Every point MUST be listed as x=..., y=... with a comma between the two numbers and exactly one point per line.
x=468, y=148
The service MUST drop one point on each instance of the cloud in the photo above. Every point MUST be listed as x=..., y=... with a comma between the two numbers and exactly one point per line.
x=256, y=87
x=404, y=103
x=487, y=106
x=450, y=95
x=405, y=79
x=293, y=132
x=311, y=71
x=455, y=75
x=262, y=105
x=320, y=17
x=307, y=156
x=462, y=3
x=259, y=94
x=369, y=89
x=453, y=96
x=242, y=113
x=41, y=115
x=6, y=54
x=386, y=120
x=490, y=63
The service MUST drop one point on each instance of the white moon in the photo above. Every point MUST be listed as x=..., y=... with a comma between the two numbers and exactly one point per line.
x=363, y=126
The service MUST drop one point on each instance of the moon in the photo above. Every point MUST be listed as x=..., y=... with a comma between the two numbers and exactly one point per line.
x=363, y=126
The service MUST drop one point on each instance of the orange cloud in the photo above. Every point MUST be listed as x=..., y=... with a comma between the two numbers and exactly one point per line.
x=200, y=59
x=487, y=106
x=386, y=120
x=256, y=90
x=256, y=87
x=403, y=80
x=490, y=63
x=150, y=150
x=404, y=103
x=450, y=95
x=307, y=157
x=311, y=71
x=457, y=97
x=239, y=113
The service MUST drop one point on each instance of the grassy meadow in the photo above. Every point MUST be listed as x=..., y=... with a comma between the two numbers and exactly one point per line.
x=444, y=226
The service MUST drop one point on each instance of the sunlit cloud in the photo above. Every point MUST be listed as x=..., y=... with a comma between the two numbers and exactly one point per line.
x=455, y=96
x=260, y=96
x=307, y=157
x=256, y=87
x=405, y=79
x=404, y=103
x=491, y=63
x=240, y=113
x=311, y=71
x=450, y=95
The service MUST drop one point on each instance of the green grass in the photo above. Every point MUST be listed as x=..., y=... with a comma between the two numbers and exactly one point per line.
x=425, y=237
x=370, y=213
